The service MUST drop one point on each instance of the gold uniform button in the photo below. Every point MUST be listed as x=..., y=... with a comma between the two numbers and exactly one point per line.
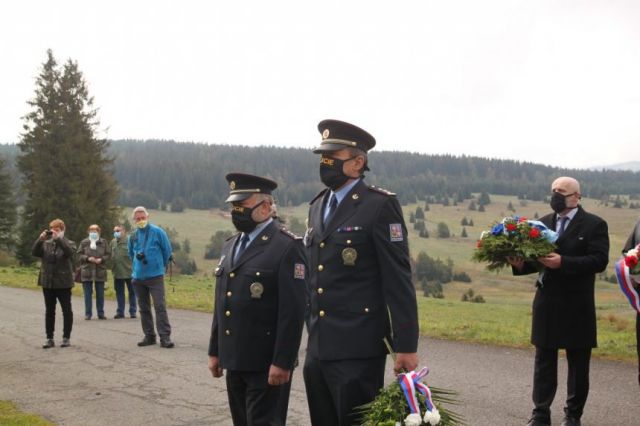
x=322, y=244
x=321, y=313
x=232, y=274
x=229, y=294
x=257, y=274
x=228, y=313
x=320, y=268
x=227, y=332
x=320, y=290
x=366, y=309
x=348, y=241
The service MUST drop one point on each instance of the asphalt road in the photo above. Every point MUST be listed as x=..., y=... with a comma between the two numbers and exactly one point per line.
x=105, y=379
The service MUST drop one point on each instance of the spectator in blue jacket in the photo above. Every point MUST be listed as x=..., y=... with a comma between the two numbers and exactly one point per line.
x=150, y=250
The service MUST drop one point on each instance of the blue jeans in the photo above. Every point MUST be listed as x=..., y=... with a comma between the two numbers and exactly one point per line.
x=118, y=284
x=87, y=287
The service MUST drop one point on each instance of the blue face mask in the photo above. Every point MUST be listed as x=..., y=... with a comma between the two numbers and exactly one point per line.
x=93, y=236
x=117, y=234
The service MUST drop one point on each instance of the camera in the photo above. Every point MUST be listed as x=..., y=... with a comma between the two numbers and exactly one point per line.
x=48, y=232
x=140, y=256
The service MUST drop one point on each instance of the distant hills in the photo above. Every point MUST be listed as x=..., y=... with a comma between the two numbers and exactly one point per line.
x=155, y=173
x=633, y=166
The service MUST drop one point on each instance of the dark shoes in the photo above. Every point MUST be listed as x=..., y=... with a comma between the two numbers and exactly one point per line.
x=102, y=317
x=570, y=421
x=118, y=316
x=48, y=344
x=87, y=317
x=133, y=316
x=147, y=341
x=166, y=343
x=65, y=342
x=535, y=422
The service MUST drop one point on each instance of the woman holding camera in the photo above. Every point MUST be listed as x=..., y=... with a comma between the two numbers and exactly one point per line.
x=93, y=254
x=56, y=278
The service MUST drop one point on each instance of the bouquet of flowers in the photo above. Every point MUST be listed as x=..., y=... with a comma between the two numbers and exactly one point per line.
x=628, y=275
x=517, y=237
x=403, y=402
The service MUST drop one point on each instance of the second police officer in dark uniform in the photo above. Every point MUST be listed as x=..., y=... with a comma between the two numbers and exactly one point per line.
x=359, y=281
x=259, y=306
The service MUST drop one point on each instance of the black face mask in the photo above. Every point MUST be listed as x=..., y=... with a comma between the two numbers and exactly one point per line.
x=559, y=202
x=242, y=220
x=331, y=173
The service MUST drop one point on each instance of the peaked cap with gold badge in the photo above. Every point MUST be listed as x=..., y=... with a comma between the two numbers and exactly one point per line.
x=243, y=186
x=337, y=135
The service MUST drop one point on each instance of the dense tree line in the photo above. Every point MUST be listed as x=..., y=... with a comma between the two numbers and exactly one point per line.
x=192, y=174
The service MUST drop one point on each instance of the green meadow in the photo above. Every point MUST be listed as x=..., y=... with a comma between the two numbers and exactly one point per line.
x=10, y=415
x=504, y=319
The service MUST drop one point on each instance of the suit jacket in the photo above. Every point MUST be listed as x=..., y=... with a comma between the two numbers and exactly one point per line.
x=564, y=312
x=259, y=302
x=360, y=277
x=633, y=240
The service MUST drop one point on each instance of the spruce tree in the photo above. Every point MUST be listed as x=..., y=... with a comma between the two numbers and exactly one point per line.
x=7, y=209
x=67, y=172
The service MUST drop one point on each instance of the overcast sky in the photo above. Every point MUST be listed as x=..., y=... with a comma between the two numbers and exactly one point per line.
x=554, y=82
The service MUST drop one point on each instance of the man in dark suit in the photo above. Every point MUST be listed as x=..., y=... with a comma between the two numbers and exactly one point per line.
x=564, y=313
x=633, y=241
x=359, y=282
x=259, y=306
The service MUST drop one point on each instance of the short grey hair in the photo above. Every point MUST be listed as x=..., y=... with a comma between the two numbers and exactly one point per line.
x=139, y=209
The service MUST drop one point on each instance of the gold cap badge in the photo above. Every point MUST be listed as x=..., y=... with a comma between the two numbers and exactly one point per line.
x=232, y=185
x=325, y=133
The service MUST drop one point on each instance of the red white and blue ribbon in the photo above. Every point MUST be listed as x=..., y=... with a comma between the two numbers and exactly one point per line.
x=626, y=284
x=411, y=384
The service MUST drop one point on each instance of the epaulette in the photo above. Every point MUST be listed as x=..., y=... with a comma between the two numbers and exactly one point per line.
x=381, y=190
x=290, y=234
x=320, y=194
x=227, y=239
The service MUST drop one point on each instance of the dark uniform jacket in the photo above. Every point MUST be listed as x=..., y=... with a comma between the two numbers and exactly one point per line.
x=56, y=267
x=633, y=240
x=564, y=312
x=360, y=277
x=259, y=302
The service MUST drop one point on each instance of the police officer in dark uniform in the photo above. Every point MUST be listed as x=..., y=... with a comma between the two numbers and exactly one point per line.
x=259, y=306
x=359, y=282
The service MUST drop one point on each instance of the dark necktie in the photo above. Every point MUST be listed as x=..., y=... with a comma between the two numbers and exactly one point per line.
x=333, y=205
x=243, y=245
x=563, y=224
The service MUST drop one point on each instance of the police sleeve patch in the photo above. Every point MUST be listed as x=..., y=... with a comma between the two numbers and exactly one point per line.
x=298, y=271
x=395, y=232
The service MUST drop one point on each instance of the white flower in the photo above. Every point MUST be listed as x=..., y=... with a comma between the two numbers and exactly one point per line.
x=432, y=417
x=413, y=419
x=632, y=252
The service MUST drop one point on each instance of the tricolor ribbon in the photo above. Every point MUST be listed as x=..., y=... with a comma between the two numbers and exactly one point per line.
x=410, y=383
x=626, y=284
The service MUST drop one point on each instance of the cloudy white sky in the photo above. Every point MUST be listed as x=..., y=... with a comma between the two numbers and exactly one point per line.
x=554, y=82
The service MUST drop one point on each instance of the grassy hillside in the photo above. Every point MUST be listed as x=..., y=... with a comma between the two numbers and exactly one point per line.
x=505, y=317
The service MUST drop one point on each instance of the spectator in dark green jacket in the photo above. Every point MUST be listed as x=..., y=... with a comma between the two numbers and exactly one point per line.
x=56, y=278
x=93, y=254
x=121, y=269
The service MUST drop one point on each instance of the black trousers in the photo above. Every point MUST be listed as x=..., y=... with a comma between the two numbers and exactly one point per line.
x=545, y=382
x=63, y=295
x=335, y=388
x=253, y=402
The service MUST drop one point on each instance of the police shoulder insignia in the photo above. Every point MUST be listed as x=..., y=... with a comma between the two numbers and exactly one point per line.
x=381, y=190
x=298, y=271
x=290, y=234
x=395, y=232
